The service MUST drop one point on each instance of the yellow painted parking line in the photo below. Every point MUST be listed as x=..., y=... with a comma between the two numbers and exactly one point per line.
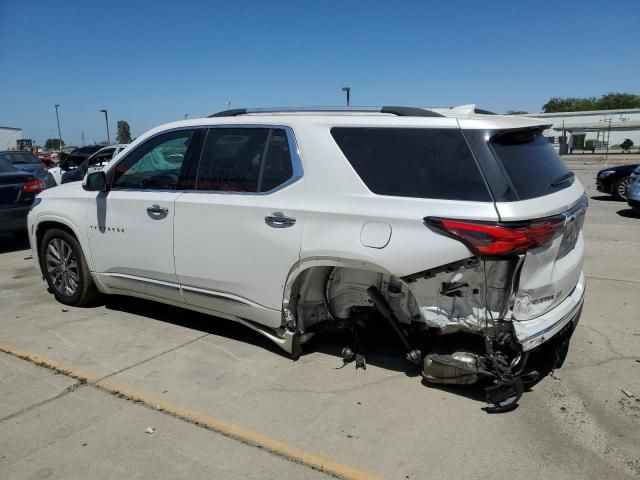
x=249, y=437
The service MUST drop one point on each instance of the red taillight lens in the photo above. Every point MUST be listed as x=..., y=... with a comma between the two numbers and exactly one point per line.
x=498, y=239
x=34, y=186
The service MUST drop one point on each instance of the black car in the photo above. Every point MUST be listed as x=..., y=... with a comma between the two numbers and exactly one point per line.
x=17, y=192
x=615, y=180
x=28, y=162
x=74, y=159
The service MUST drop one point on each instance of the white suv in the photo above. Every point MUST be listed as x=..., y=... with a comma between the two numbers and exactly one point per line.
x=462, y=230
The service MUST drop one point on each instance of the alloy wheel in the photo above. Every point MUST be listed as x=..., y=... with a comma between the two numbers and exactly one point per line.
x=622, y=187
x=62, y=267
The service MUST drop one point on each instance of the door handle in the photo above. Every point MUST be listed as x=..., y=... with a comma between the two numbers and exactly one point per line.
x=279, y=220
x=157, y=212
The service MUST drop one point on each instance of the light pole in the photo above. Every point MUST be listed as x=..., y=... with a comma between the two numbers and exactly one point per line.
x=106, y=119
x=59, y=134
x=348, y=91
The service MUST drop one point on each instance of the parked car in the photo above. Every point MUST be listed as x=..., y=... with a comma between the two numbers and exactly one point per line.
x=17, y=192
x=46, y=158
x=462, y=231
x=615, y=180
x=95, y=162
x=71, y=160
x=28, y=162
x=633, y=191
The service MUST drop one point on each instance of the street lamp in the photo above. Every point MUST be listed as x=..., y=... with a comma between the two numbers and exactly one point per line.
x=59, y=134
x=106, y=119
x=348, y=91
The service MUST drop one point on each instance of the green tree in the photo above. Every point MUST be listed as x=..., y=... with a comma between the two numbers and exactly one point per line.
x=53, y=144
x=124, y=132
x=580, y=104
x=516, y=112
x=627, y=144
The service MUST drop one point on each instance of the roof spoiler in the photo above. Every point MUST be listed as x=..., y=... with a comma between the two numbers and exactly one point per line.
x=471, y=108
x=392, y=110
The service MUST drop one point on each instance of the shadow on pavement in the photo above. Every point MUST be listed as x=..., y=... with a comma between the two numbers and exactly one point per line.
x=13, y=243
x=189, y=319
x=628, y=213
x=605, y=198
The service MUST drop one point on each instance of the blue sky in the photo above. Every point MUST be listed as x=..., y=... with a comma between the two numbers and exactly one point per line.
x=152, y=62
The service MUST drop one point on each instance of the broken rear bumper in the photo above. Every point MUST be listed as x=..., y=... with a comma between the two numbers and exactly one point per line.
x=533, y=333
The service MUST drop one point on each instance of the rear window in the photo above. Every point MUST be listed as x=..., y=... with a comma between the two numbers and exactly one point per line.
x=531, y=163
x=20, y=158
x=413, y=162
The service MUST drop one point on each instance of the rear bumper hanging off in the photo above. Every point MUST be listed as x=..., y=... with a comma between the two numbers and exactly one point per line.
x=535, y=332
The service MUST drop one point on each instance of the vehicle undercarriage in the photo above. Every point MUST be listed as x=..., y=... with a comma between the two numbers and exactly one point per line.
x=455, y=320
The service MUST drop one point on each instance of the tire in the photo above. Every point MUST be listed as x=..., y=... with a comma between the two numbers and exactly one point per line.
x=65, y=269
x=620, y=187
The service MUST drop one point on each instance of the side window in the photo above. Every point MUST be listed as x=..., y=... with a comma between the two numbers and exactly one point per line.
x=154, y=165
x=413, y=162
x=244, y=160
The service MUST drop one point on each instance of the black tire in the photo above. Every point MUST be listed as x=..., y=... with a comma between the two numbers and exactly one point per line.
x=620, y=187
x=65, y=268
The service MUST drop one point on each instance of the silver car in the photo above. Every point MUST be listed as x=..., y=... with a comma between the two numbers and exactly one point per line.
x=633, y=191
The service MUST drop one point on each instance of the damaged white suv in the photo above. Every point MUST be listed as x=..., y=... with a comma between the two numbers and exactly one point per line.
x=462, y=229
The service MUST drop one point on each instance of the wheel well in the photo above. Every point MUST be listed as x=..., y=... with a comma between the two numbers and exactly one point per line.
x=46, y=226
x=309, y=293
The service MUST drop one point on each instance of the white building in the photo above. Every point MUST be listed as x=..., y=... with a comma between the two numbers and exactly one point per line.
x=9, y=136
x=610, y=127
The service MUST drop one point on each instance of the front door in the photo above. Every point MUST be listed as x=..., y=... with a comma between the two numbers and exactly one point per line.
x=131, y=226
x=238, y=233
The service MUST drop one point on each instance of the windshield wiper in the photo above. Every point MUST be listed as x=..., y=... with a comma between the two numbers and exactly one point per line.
x=562, y=178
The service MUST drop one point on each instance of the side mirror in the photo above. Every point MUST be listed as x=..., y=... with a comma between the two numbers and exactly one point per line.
x=95, y=182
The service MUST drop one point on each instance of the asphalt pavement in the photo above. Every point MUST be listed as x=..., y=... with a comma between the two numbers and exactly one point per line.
x=222, y=402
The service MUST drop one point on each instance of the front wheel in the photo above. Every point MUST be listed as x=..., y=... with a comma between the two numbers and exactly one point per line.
x=65, y=269
x=620, y=188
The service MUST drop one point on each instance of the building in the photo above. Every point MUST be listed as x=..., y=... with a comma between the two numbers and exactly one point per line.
x=605, y=127
x=9, y=136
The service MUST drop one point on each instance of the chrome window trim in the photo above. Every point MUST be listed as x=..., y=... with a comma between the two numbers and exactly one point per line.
x=296, y=162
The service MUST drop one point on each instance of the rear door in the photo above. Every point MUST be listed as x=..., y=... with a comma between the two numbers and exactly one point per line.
x=239, y=232
x=530, y=182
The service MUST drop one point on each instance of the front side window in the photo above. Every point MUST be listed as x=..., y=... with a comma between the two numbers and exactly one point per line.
x=244, y=160
x=155, y=164
x=413, y=162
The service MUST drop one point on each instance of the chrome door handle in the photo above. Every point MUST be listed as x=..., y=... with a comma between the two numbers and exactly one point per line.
x=157, y=212
x=279, y=220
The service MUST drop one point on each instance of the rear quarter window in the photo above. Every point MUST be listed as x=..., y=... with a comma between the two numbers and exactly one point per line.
x=413, y=162
x=530, y=162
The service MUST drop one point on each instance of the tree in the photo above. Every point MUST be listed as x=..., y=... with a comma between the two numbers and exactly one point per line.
x=609, y=101
x=627, y=144
x=53, y=144
x=516, y=112
x=124, y=132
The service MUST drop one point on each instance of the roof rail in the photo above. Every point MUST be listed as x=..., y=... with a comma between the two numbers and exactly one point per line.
x=393, y=110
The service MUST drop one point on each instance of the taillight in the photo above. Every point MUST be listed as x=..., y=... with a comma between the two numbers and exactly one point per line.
x=34, y=186
x=485, y=238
